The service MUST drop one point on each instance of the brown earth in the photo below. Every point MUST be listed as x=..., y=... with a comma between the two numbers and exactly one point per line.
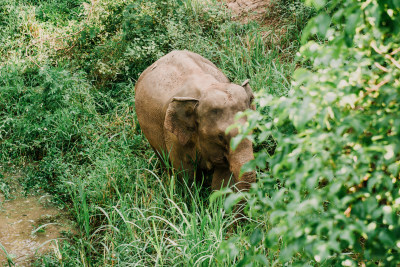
x=29, y=225
x=246, y=10
x=265, y=12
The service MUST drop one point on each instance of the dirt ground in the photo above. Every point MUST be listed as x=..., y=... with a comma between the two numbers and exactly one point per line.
x=29, y=225
x=264, y=12
x=246, y=10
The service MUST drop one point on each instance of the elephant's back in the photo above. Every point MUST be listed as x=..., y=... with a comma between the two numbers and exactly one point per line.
x=167, y=74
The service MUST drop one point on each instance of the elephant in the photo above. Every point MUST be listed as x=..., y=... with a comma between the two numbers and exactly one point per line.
x=184, y=105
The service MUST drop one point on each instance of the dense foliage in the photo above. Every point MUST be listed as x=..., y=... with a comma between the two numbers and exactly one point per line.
x=332, y=191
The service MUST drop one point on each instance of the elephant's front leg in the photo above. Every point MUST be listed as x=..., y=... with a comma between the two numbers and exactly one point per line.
x=222, y=177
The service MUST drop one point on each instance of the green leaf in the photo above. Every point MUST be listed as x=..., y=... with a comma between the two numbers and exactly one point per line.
x=301, y=75
x=352, y=22
x=256, y=237
x=394, y=168
x=261, y=259
x=318, y=4
x=308, y=31
x=219, y=193
x=261, y=160
x=235, y=141
x=386, y=238
x=323, y=21
x=232, y=200
x=348, y=236
x=389, y=216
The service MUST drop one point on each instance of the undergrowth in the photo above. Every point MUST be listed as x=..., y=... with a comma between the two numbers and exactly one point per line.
x=67, y=117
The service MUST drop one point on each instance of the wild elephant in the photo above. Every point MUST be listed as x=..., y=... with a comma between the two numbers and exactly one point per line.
x=184, y=104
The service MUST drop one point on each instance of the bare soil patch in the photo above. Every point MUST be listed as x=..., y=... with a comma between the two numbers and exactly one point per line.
x=266, y=12
x=29, y=225
x=246, y=10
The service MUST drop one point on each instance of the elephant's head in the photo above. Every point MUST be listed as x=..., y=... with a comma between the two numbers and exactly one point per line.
x=200, y=120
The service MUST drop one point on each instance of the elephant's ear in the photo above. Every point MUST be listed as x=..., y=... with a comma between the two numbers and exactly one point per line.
x=180, y=118
x=249, y=93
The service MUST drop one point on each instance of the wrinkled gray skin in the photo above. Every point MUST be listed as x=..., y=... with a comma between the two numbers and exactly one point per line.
x=184, y=103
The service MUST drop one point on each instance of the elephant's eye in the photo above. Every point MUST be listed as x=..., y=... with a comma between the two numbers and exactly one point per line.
x=216, y=111
x=221, y=137
x=251, y=99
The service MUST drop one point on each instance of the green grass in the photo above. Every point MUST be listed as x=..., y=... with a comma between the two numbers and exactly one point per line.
x=67, y=117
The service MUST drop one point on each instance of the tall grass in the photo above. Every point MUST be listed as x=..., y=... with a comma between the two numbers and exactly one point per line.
x=67, y=115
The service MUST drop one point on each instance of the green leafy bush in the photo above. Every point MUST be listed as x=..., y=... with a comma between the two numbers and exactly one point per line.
x=121, y=38
x=50, y=107
x=10, y=21
x=58, y=12
x=331, y=194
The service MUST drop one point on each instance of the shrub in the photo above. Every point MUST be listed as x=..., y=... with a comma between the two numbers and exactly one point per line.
x=50, y=107
x=331, y=193
x=121, y=38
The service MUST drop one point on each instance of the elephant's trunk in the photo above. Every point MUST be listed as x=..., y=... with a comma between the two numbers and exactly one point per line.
x=242, y=154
